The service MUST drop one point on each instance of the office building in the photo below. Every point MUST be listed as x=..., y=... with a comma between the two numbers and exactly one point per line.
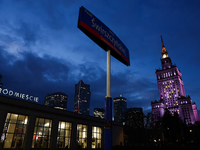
x=99, y=113
x=82, y=98
x=134, y=117
x=171, y=92
x=57, y=100
x=26, y=125
x=120, y=107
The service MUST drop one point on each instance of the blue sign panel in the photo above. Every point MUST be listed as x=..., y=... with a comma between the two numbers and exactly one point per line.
x=102, y=35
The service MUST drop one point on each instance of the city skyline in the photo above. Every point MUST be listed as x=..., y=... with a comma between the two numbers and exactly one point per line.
x=43, y=51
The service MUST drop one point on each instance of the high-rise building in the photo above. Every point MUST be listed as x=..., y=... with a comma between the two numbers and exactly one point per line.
x=120, y=107
x=57, y=100
x=99, y=113
x=1, y=84
x=134, y=117
x=172, y=93
x=82, y=98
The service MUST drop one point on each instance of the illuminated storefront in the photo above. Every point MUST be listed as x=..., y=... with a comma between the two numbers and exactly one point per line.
x=14, y=131
x=42, y=133
x=26, y=125
x=64, y=135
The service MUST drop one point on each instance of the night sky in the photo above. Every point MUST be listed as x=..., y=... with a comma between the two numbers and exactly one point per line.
x=42, y=51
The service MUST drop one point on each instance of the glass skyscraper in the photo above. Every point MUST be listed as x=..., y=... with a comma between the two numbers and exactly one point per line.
x=82, y=98
x=172, y=93
x=57, y=100
x=120, y=107
x=134, y=117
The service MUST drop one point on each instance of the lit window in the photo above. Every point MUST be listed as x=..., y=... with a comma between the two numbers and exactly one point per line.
x=14, y=131
x=96, y=137
x=64, y=135
x=81, y=139
x=42, y=133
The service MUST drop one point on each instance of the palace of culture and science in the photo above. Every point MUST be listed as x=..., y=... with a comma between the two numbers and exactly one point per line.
x=172, y=93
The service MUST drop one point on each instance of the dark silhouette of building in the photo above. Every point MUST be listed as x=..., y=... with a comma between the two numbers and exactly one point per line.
x=57, y=100
x=172, y=93
x=1, y=84
x=99, y=113
x=148, y=121
x=134, y=117
x=120, y=107
x=82, y=98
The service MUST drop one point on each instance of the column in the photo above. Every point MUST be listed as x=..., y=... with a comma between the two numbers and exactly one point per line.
x=54, y=134
x=29, y=132
x=2, y=122
x=74, y=133
x=89, y=138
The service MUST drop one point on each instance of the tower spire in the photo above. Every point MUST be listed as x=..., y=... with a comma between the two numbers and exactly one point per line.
x=164, y=51
x=162, y=41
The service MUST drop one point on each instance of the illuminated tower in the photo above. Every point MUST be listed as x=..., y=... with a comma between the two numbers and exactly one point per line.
x=120, y=108
x=82, y=98
x=172, y=93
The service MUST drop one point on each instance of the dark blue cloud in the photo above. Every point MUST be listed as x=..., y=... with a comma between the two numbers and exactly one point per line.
x=29, y=33
x=42, y=50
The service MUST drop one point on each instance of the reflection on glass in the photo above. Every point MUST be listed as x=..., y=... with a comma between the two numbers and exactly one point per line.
x=81, y=139
x=42, y=132
x=64, y=135
x=96, y=137
x=14, y=131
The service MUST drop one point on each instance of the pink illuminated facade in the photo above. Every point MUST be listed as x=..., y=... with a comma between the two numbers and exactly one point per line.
x=172, y=93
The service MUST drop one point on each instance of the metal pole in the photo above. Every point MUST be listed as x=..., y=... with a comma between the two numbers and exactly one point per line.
x=108, y=74
x=108, y=109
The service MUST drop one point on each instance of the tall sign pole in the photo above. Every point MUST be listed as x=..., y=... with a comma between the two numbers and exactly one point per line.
x=108, y=109
x=107, y=40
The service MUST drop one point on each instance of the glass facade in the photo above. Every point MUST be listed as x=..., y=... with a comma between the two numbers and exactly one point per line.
x=16, y=127
x=13, y=134
x=42, y=133
x=57, y=100
x=82, y=98
x=81, y=138
x=64, y=135
x=120, y=107
x=96, y=137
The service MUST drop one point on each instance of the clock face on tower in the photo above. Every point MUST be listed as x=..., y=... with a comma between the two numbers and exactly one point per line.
x=164, y=55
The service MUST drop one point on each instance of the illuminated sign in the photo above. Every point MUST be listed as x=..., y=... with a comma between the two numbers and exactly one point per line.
x=19, y=95
x=102, y=35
